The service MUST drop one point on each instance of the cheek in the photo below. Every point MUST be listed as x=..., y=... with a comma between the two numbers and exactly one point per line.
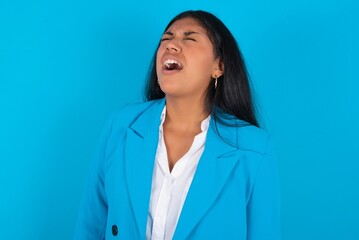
x=202, y=57
x=157, y=56
x=203, y=65
x=158, y=63
x=159, y=53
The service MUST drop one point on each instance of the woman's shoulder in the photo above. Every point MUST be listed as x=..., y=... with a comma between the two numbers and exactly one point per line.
x=246, y=136
x=135, y=108
x=255, y=139
x=125, y=115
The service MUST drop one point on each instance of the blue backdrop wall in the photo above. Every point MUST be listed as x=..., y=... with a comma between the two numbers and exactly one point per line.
x=65, y=65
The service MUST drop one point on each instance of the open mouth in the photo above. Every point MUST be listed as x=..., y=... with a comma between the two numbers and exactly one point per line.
x=171, y=64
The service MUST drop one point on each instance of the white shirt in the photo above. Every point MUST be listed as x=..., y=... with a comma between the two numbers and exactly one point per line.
x=169, y=189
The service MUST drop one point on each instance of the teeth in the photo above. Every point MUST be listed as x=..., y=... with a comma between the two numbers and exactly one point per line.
x=168, y=62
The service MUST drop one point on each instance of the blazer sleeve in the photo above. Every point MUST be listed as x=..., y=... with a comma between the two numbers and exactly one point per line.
x=92, y=217
x=263, y=211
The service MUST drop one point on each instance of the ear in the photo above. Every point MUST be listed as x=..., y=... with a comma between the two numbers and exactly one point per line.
x=218, y=68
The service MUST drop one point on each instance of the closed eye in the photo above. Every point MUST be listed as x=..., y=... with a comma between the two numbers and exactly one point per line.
x=191, y=39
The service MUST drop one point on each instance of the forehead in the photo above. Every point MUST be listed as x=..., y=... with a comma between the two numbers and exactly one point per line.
x=186, y=24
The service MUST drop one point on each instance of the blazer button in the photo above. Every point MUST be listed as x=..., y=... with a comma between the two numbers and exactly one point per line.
x=114, y=230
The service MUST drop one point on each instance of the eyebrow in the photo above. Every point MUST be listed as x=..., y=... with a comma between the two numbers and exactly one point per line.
x=189, y=33
x=185, y=33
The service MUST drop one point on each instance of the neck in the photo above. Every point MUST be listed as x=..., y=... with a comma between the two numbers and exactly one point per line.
x=185, y=114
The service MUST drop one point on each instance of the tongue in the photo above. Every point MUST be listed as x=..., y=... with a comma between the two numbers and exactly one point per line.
x=173, y=66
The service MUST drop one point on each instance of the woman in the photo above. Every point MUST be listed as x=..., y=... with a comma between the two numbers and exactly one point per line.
x=191, y=162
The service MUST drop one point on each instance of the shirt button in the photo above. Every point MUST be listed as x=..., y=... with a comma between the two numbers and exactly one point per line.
x=114, y=230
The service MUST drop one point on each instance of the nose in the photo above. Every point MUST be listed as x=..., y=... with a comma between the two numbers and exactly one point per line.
x=172, y=46
x=172, y=49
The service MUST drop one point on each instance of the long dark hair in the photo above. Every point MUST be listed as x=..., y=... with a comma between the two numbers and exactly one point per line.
x=232, y=98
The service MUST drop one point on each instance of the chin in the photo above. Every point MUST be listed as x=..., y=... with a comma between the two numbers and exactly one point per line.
x=170, y=90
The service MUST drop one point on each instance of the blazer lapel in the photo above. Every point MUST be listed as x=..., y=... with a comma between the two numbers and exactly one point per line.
x=213, y=170
x=140, y=151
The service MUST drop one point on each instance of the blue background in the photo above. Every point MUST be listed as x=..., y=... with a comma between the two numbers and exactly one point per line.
x=65, y=65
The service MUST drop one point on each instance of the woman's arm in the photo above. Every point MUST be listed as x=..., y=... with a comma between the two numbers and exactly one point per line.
x=92, y=218
x=263, y=215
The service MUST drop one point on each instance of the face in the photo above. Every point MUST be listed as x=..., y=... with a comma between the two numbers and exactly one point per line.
x=185, y=60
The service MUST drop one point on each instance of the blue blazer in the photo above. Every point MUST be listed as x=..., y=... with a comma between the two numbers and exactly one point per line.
x=233, y=195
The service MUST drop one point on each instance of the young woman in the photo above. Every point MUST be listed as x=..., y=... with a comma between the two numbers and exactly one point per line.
x=191, y=162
